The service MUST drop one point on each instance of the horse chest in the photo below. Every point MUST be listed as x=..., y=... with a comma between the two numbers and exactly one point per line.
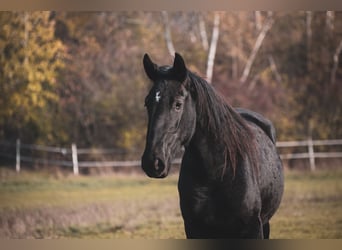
x=197, y=205
x=218, y=204
x=203, y=204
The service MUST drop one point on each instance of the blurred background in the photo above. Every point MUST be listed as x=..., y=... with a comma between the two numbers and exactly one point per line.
x=77, y=78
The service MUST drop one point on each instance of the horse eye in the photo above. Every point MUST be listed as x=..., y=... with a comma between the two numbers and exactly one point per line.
x=178, y=106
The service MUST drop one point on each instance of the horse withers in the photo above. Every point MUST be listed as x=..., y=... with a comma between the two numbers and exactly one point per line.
x=231, y=177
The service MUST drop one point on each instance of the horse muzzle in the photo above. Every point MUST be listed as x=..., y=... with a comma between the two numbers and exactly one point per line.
x=154, y=166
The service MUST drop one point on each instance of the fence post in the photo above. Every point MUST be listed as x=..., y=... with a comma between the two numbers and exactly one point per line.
x=17, y=158
x=74, y=158
x=311, y=154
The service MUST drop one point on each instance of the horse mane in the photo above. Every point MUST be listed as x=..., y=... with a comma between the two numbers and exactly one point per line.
x=223, y=124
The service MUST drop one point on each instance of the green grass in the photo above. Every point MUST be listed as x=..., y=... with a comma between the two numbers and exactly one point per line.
x=29, y=190
x=35, y=205
x=311, y=207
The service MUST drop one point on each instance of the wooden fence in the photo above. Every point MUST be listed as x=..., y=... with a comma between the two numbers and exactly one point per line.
x=310, y=154
x=309, y=144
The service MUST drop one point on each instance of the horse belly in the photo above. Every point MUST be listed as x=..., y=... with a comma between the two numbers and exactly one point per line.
x=271, y=179
x=271, y=194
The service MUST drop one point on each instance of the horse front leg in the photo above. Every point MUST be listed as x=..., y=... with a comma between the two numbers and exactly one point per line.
x=255, y=228
x=198, y=231
x=266, y=230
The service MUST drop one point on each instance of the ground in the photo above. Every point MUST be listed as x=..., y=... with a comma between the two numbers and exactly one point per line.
x=40, y=205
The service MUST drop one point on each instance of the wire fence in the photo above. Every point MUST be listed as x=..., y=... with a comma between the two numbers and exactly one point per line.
x=69, y=157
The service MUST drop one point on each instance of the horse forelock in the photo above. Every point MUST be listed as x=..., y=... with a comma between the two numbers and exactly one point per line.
x=223, y=124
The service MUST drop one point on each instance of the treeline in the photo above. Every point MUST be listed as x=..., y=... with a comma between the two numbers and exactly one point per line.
x=77, y=76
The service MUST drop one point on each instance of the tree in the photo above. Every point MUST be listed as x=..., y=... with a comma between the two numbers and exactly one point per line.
x=30, y=61
x=103, y=87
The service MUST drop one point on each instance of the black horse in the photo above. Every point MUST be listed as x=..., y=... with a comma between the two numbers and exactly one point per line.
x=231, y=178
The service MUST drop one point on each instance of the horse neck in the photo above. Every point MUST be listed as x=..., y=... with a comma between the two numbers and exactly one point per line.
x=221, y=136
x=207, y=156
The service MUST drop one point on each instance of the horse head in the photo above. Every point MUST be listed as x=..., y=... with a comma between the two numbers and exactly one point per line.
x=171, y=115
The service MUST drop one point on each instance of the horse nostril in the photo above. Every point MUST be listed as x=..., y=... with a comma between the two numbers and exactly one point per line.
x=156, y=164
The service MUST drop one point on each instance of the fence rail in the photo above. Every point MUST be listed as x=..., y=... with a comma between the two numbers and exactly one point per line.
x=307, y=142
x=311, y=154
x=76, y=164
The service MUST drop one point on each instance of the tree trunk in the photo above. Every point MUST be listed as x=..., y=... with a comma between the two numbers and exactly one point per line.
x=258, y=22
x=330, y=20
x=26, y=35
x=266, y=27
x=203, y=32
x=212, y=49
x=308, y=38
x=335, y=60
x=167, y=34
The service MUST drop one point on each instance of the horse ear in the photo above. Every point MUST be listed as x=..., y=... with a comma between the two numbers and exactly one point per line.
x=151, y=69
x=179, y=68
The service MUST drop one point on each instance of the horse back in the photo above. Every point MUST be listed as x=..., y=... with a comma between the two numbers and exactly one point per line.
x=262, y=122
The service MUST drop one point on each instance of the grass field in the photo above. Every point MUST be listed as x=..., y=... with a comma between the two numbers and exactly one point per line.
x=36, y=205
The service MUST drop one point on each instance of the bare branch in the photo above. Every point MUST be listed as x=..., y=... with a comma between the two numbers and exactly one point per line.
x=274, y=69
x=266, y=27
x=252, y=84
x=167, y=34
x=213, y=45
